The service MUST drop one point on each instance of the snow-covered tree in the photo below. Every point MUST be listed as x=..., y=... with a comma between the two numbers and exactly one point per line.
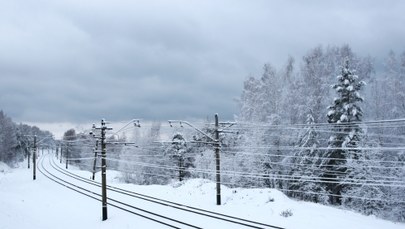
x=345, y=115
x=16, y=139
x=8, y=139
x=270, y=95
x=178, y=151
x=132, y=173
x=153, y=164
x=70, y=146
x=362, y=192
x=23, y=139
x=316, y=71
x=396, y=209
x=262, y=98
x=248, y=101
x=305, y=173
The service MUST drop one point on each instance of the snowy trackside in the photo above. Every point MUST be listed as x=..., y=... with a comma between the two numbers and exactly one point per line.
x=4, y=168
x=25, y=203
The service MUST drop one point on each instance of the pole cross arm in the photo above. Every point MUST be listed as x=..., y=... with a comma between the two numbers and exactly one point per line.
x=136, y=123
x=121, y=143
x=192, y=126
x=201, y=142
x=47, y=137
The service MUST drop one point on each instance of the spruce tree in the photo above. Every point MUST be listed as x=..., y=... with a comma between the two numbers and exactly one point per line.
x=306, y=173
x=179, y=152
x=345, y=114
x=178, y=149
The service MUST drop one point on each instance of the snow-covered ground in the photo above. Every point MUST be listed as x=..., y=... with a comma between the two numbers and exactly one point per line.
x=43, y=204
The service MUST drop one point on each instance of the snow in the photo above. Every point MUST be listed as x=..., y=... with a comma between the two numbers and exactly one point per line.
x=25, y=203
x=347, y=106
x=4, y=168
x=343, y=118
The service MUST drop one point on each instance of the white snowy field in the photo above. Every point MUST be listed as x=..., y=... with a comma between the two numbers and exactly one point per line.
x=43, y=204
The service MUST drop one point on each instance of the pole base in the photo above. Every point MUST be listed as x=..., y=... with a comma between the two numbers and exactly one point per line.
x=105, y=213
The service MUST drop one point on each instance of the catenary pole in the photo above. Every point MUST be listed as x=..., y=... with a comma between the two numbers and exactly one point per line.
x=95, y=160
x=29, y=157
x=61, y=153
x=67, y=155
x=217, y=160
x=103, y=170
x=34, y=159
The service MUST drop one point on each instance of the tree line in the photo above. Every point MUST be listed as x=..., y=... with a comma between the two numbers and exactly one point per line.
x=338, y=158
x=16, y=140
x=309, y=129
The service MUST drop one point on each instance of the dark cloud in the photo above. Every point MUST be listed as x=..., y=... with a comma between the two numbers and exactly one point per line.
x=77, y=61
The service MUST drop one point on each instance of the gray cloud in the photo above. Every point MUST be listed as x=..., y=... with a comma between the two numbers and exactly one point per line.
x=77, y=61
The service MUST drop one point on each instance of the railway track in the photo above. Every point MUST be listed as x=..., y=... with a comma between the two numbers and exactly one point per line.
x=216, y=218
x=158, y=218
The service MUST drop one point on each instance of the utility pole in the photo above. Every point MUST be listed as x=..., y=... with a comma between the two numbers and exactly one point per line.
x=181, y=168
x=29, y=157
x=34, y=159
x=61, y=153
x=95, y=159
x=67, y=155
x=103, y=129
x=214, y=140
x=103, y=169
x=217, y=160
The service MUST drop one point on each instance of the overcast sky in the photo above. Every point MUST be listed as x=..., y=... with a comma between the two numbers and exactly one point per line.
x=78, y=61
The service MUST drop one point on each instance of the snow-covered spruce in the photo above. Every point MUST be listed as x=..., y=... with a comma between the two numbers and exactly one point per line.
x=346, y=114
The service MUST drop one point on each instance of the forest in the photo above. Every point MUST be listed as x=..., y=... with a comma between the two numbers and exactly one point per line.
x=327, y=128
x=16, y=140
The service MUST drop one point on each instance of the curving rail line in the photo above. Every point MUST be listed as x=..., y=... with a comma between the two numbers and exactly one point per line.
x=118, y=204
x=237, y=221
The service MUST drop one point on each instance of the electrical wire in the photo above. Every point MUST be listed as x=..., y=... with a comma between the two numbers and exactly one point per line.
x=267, y=176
